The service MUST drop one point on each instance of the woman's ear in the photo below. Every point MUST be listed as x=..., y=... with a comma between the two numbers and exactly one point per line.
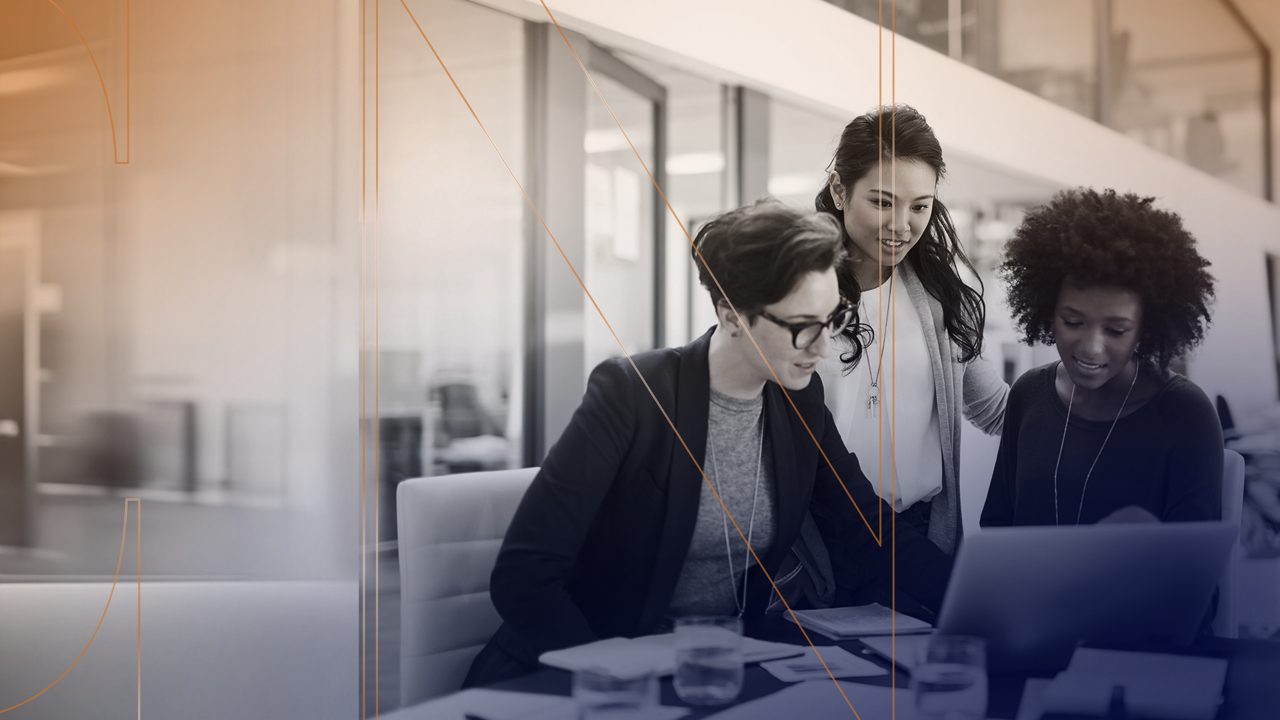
x=836, y=188
x=728, y=319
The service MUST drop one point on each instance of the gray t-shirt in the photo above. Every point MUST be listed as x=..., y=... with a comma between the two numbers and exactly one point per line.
x=735, y=448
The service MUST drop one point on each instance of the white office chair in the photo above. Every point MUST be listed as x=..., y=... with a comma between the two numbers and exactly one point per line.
x=450, y=528
x=1225, y=623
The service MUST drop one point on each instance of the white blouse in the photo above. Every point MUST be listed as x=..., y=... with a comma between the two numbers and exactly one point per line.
x=907, y=449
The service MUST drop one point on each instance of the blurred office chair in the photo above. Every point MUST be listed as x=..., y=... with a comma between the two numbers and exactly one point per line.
x=450, y=529
x=1225, y=623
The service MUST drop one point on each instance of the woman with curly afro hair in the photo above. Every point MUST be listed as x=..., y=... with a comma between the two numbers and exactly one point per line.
x=1118, y=286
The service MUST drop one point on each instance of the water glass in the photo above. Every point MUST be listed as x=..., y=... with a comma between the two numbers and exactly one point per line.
x=950, y=680
x=607, y=695
x=708, y=659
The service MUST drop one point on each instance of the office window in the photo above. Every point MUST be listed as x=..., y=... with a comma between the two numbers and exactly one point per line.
x=802, y=143
x=451, y=235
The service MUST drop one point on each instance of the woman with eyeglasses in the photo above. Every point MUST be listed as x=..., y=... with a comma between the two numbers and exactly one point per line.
x=1118, y=287
x=620, y=532
x=899, y=405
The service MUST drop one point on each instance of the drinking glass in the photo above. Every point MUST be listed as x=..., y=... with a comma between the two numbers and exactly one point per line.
x=708, y=659
x=606, y=695
x=950, y=680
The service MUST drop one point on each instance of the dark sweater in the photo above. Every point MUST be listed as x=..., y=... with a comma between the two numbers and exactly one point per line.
x=1166, y=457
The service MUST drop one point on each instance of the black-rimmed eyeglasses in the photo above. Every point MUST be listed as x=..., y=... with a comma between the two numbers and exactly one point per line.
x=805, y=334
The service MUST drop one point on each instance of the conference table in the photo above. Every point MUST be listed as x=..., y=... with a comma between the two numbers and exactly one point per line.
x=1252, y=689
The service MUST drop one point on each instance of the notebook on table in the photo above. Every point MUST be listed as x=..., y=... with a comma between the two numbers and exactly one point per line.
x=858, y=621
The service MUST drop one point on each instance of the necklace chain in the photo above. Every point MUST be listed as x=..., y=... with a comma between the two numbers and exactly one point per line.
x=751, y=525
x=873, y=395
x=1085, y=487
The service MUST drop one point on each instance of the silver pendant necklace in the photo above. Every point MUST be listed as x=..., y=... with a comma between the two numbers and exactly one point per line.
x=873, y=392
x=751, y=525
x=1056, y=521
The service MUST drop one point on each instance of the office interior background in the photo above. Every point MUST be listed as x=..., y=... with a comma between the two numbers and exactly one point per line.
x=193, y=327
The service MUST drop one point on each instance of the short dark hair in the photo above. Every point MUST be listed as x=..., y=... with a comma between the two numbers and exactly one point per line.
x=1104, y=238
x=759, y=252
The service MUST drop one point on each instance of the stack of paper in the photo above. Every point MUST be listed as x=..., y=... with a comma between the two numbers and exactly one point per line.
x=651, y=653
x=1171, y=687
x=860, y=621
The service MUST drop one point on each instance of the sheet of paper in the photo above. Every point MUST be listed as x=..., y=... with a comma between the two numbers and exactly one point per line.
x=839, y=661
x=651, y=653
x=1174, y=687
x=859, y=621
x=488, y=704
x=501, y=705
x=906, y=651
x=822, y=699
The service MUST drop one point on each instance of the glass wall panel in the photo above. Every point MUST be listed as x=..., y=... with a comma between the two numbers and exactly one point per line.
x=185, y=265
x=619, y=222
x=802, y=143
x=698, y=164
x=451, y=235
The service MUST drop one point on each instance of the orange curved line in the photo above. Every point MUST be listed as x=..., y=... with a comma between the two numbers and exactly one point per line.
x=115, y=152
x=119, y=560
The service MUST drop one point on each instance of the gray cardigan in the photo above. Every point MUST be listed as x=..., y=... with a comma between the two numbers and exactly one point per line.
x=973, y=388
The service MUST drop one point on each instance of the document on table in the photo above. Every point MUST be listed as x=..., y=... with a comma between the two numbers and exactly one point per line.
x=855, y=621
x=502, y=705
x=488, y=704
x=841, y=663
x=651, y=653
x=905, y=652
x=1172, y=687
x=822, y=699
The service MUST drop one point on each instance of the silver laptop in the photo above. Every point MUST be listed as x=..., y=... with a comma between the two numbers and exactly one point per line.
x=1035, y=593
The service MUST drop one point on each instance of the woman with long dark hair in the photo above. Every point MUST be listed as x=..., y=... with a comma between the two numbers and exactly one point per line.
x=899, y=409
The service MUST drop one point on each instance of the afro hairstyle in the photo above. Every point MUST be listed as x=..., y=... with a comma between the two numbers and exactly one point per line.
x=1090, y=239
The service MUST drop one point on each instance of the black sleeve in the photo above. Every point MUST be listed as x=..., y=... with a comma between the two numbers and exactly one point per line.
x=1001, y=494
x=550, y=525
x=1194, y=489
x=858, y=553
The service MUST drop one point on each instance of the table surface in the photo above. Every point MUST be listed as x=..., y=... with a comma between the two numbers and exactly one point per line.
x=1252, y=688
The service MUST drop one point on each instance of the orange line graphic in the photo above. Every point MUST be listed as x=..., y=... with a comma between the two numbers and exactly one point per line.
x=362, y=419
x=111, y=120
x=377, y=360
x=124, y=533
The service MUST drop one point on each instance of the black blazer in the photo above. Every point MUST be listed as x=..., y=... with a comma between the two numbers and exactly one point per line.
x=597, y=544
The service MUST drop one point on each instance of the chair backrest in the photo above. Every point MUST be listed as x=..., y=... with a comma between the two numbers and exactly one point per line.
x=450, y=530
x=1225, y=623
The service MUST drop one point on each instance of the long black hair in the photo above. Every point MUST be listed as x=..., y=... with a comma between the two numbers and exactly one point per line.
x=900, y=132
